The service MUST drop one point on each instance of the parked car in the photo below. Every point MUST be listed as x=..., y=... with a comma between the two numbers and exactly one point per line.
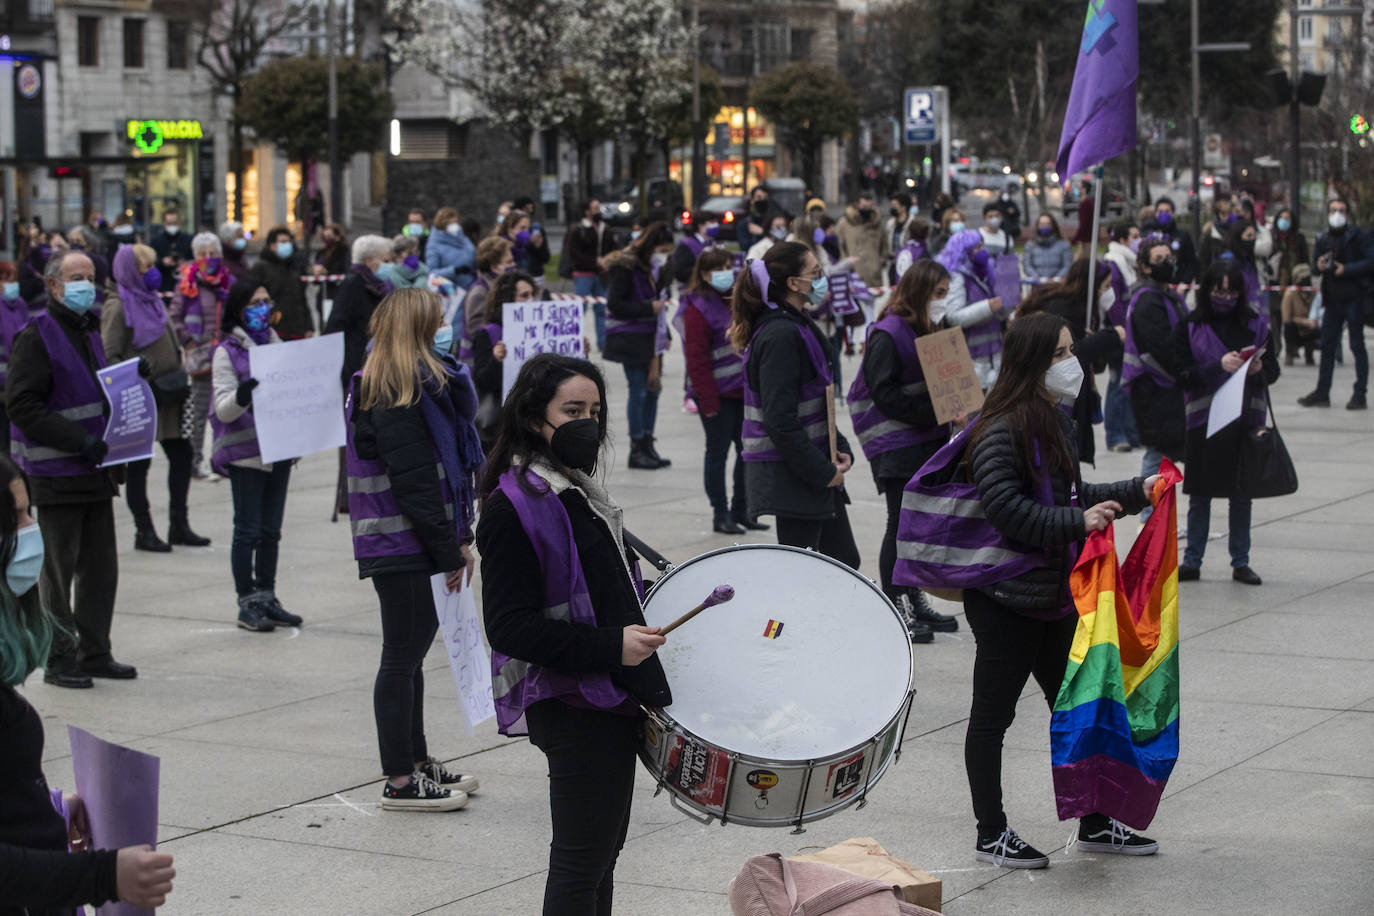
x=665, y=203
x=726, y=210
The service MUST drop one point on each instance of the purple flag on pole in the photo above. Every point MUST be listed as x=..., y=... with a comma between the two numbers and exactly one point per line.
x=1100, y=120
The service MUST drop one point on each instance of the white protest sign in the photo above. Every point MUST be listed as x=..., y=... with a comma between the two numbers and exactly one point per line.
x=298, y=404
x=531, y=328
x=1229, y=401
x=461, y=627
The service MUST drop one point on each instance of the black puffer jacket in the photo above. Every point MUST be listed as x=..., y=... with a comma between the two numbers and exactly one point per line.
x=282, y=280
x=1159, y=411
x=1005, y=490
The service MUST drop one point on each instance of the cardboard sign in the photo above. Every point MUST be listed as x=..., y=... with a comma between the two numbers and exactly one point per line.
x=531, y=328
x=949, y=372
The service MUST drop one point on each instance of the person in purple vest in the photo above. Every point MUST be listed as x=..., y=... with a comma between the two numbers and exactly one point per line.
x=1211, y=340
x=14, y=316
x=633, y=304
x=913, y=247
x=57, y=418
x=789, y=470
x=412, y=454
x=493, y=259
x=894, y=421
x=972, y=304
x=705, y=230
x=572, y=660
x=195, y=310
x=258, y=489
x=1023, y=625
x=489, y=350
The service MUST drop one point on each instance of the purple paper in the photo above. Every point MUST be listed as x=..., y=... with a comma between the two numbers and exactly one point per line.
x=119, y=786
x=1100, y=120
x=132, y=428
x=1006, y=281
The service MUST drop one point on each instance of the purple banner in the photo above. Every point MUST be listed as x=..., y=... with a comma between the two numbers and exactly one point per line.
x=1006, y=281
x=119, y=786
x=132, y=428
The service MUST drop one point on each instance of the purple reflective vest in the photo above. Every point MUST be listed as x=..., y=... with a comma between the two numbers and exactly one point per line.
x=1136, y=364
x=914, y=250
x=493, y=333
x=727, y=366
x=1121, y=296
x=464, y=339
x=811, y=407
x=14, y=317
x=985, y=337
x=877, y=433
x=696, y=245
x=944, y=539
x=1208, y=350
x=644, y=291
x=75, y=396
x=238, y=440
x=516, y=685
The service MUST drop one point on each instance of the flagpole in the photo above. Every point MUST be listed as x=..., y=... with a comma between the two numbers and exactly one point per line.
x=1092, y=246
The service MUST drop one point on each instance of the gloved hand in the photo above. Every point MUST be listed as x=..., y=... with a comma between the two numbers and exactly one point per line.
x=244, y=394
x=145, y=368
x=94, y=449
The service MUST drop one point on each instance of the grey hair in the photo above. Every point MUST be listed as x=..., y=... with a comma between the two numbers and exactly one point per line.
x=87, y=236
x=52, y=271
x=404, y=244
x=230, y=231
x=370, y=246
x=208, y=242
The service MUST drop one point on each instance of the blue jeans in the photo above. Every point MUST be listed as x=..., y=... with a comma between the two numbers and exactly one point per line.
x=1337, y=317
x=592, y=286
x=1118, y=416
x=1149, y=466
x=259, y=504
x=1199, y=519
x=722, y=430
x=641, y=407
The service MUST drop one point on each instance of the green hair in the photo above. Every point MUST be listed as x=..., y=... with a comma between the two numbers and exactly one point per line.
x=26, y=634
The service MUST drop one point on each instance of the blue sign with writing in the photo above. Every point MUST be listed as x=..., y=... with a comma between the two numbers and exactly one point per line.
x=920, y=116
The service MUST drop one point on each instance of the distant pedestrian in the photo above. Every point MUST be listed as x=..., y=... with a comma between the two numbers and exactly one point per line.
x=971, y=303
x=358, y=298
x=196, y=309
x=1216, y=232
x=450, y=251
x=1300, y=331
x=234, y=244
x=405, y=270
x=996, y=240
x=279, y=269
x=951, y=224
x=863, y=240
x=1010, y=210
x=778, y=230
x=705, y=230
x=14, y=316
x=1048, y=255
x=900, y=212
x=1344, y=258
x=913, y=247
x=1280, y=250
x=173, y=247
x=754, y=225
x=493, y=259
x=1180, y=239
x=587, y=246
x=489, y=350
x=1083, y=237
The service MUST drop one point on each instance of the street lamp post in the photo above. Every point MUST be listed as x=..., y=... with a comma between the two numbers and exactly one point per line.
x=1294, y=104
x=335, y=166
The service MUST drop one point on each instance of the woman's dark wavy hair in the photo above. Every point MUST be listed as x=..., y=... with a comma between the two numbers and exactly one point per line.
x=519, y=432
x=1020, y=397
x=503, y=291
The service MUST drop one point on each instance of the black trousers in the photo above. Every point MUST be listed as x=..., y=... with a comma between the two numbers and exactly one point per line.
x=178, y=452
x=830, y=536
x=722, y=431
x=591, y=758
x=80, y=576
x=409, y=622
x=1010, y=648
x=887, y=553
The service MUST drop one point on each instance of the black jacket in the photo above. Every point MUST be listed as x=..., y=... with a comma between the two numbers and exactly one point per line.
x=27, y=389
x=178, y=248
x=282, y=280
x=684, y=262
x=354, y=304
x=1181, y=241
x=582, y=247
x=513, y=594
x=399, y=437
x=622, y=302
x=1006, y=492
x=1159, y=414
x=882, y=369
x=487, y=376
x=778, y=366
x=1355, y=251
x=1094, y=351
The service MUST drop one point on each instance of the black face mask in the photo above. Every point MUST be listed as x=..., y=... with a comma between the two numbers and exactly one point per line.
x=595, y=217
x=1162, y=272
x=577, y=443
x=894, y=212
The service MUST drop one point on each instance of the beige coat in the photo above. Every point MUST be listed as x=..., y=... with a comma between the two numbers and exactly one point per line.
x=867, y=242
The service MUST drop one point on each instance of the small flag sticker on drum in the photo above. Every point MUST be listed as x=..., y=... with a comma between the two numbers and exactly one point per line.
x=773, y=630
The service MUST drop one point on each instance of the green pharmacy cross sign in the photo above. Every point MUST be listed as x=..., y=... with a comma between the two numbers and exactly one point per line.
x=149, y=135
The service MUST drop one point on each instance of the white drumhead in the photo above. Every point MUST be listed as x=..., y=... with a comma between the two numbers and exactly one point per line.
x=833, y=675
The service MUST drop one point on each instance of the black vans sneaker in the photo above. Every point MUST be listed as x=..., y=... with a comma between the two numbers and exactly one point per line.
x=1008, y=850
x=1113, y=837
x=421, y=794
x=449, y=780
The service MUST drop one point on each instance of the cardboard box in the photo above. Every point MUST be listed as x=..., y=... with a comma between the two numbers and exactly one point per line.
x=865, y=856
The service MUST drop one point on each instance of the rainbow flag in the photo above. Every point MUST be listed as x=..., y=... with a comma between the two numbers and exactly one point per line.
x=1114, y=731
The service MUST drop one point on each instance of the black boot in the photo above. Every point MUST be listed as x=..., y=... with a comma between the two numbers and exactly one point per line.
x=921, y=610
x=179, y=532
x=648, y=446
x=639, y=459
x=145, y=536
x=725, y=525
x=742, y=519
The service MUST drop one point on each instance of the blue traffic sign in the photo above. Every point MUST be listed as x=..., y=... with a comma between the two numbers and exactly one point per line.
x=921, y=123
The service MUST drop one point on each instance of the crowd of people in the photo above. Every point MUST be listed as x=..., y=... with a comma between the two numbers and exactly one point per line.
x=437, y=461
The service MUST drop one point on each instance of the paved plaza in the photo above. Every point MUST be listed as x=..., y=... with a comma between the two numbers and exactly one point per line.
x=270, y=777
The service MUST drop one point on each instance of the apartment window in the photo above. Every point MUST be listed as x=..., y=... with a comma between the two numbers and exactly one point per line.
x=177, y=33
x=801, y=43
x=1307, y=61
x=88, y=41
x=1305, y=29
x=133, y=43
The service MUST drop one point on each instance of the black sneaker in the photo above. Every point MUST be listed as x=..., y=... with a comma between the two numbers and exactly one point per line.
x=273, y=611
x=920, y=633
x=1116, y=838
x=1008, y=850
x=253, y=619
x=940, y=623
x=1357, y=402
x=1315, y=399
x=1246, y=576
x=449, y=780
x=421, y=794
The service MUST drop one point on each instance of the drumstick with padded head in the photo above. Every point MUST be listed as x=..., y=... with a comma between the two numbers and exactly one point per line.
x=719, y=595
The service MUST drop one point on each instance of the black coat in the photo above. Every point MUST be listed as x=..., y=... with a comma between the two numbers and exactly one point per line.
x=400, y=438
x=582, y=247
x=354, y=304
x=178, y=248
x=487, y=377
x=513, y=594
x=1006, y=493
x=1212, y=463
x=882, y=369
x=1159, y=414
x=778, y=366
x=1094, y=351
x=282, y=280
x=1355, y=251
x=623, y=302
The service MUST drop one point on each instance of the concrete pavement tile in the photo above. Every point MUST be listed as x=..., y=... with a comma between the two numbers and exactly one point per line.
x=526, y=896
x=1292, y=634
x=1342, y=746
x=1278, y=679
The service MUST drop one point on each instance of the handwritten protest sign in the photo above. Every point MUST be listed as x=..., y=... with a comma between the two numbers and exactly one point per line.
x=1006, y=281
x=132, y=427
x=531, y=328
x=119, y=787
x=298, y=404
x=949, y=372
x=461, y=627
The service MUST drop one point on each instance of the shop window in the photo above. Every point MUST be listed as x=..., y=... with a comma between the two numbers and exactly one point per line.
x=177, y=33
x=133, y=43
x=88, y=41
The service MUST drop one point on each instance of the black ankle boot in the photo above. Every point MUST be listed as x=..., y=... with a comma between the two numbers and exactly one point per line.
x=180, y=533
x=648, y=446
x=639, y=459
x=145, y=538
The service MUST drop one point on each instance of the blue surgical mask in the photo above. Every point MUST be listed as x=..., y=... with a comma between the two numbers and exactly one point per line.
x=820, y=288
x=635, y=233
x=285, y=250
x=722, y=280
x=780, y=233
x=1284, y=223
x=956, y=227
x=27, y=562
x=240, y=244
x=79, y=296
x=257, y=316
x=443, y=340
x=11, y=290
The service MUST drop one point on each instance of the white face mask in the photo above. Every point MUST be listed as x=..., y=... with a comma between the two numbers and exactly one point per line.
x=453, y=228
x=994, y=222
x=938, y=307
x=1336, y=220
x=1065, y=379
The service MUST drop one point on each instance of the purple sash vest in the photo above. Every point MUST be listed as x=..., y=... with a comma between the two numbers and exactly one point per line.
x=14, y=317
x=727, y=366
x=1136, y=364
x=644, y=292
x=75, y=395
x=238, y=440
x=493, y=333
x=696, y=245
x=811, y=407
x=1207, y=353
x=516, y=685
x=985, y=337
x=877, y=433
x=1122, y=293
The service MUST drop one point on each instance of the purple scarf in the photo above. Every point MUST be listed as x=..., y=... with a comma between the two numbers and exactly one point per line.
x=375, y=284
x=144, y=311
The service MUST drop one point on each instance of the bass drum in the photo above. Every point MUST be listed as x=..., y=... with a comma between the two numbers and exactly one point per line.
x=789, y=702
